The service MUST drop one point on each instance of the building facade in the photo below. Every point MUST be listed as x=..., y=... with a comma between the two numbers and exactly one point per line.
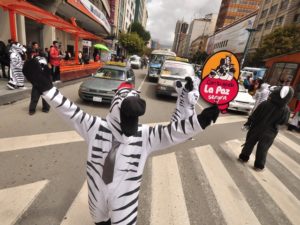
x=233, y=37
x=274, y=14
x=231, y=10
x=129, y=13
x=180, y=33
x=92, y=16
x=199, y=27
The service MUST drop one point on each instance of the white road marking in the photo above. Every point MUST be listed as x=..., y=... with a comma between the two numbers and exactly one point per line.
x=78, y=213
x=231, y=201
x=286, y=161
x=38, y=140
x=140, y=87
x=200, y=106
x=289, y=142
x=46, y=139
x=16, y=200
x=168, y=203
x=281, y=195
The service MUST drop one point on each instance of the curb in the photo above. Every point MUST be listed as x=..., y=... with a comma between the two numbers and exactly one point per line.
x=13, y=97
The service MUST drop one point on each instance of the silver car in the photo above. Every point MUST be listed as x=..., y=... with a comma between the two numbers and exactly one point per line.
x=102, y=85
x=243, y=102
x=173, y=70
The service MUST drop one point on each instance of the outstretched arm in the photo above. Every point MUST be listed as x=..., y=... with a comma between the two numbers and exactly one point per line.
x=161, y=137
x=38, y=73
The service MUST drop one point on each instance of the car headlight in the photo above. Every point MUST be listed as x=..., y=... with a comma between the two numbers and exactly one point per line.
x=82, y=88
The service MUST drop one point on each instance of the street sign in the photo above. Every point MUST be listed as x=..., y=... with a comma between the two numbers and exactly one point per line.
x=219, y=79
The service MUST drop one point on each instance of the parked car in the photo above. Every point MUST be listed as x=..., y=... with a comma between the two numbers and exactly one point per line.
x=243, y=102
x=135, y=62
x=173, y=70
x=102, y=85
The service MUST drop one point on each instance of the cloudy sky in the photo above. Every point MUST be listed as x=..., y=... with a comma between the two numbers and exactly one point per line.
x=163, y=15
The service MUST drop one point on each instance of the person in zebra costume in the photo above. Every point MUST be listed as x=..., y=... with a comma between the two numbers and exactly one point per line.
x=17, y=56
x=187, y=98
x=118, y=146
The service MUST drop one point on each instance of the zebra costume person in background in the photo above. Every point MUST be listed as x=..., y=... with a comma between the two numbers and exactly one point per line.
x=118, y=146
x=17, y=56
x=187, y=98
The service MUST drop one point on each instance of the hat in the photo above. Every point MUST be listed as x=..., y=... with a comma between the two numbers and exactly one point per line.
x=131, y=108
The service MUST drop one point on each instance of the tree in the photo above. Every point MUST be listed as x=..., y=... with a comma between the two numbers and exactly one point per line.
x=132, y=43
x=199, y=57
x=139, y=29
x=281, y=41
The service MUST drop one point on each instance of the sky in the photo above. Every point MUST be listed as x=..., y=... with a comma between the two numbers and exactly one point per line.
x=163, y=15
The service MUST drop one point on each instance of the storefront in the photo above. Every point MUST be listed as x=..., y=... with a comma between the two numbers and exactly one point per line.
x=284, y=70
x=67, y=32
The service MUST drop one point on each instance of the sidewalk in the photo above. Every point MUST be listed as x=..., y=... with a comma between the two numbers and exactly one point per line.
x=10, y=96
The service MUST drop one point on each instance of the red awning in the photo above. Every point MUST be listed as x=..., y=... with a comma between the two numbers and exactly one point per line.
x=41, y=16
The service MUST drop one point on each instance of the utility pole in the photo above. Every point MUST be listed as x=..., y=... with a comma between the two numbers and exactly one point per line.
x=250, y=30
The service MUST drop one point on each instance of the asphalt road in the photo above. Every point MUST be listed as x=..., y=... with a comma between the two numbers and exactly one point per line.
x=42, y=170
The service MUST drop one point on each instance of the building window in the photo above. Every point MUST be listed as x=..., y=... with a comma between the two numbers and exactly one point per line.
x=284, y=4
x=269, y=24
x=259, y=27
x=297, y=18
x=279, y=21
x=282, y=73
x=264, y=13
x=273, y=9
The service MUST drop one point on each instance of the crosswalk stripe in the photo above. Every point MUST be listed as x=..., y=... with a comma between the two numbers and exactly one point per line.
x=78, y=213
x=16, y=200
x=286, y=161
x=289, y=142
x=231, y=201
x=168, y=203
x=46, y=139
x=38, y=140
x=285, y=200
x=296, y=135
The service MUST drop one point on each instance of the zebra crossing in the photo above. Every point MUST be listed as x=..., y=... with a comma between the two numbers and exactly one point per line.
x=240, y=194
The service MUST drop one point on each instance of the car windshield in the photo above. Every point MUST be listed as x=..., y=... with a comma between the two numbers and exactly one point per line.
x=133, y=59
x=112, y=74
x=157, y=58
x=178, y=69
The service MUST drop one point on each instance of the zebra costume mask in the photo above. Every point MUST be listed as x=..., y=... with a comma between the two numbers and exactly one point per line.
x=128, y=145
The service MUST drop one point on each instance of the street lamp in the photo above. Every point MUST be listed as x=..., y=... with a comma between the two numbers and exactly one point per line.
x=250, y=30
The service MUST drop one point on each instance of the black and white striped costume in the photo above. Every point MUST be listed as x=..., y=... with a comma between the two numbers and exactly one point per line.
x=118, y=200
x=185, y=104
x=16, y=65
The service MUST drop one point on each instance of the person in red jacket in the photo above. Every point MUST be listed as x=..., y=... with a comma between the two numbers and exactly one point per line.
x=55, y=58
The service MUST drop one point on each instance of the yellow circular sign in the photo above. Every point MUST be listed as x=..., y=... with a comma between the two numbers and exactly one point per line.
x=219, y=62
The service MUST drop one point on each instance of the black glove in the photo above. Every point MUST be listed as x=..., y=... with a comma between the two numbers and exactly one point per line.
x=189, y=86
x=178, y=84
x=208, y=115
x=38, y=73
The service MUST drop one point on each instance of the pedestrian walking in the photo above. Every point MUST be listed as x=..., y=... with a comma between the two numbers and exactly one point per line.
x=261, y=94
x=55, y=58
x=263, y=125
x=4, y=59
x=17, y=57
x=35, y=94
x=295, y=118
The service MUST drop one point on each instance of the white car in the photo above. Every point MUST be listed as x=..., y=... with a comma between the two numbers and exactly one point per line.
x=173, y=70
x=243, y=102
x=135, y=62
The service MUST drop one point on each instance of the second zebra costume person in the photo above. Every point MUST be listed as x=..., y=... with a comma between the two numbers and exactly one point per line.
x=119, y=139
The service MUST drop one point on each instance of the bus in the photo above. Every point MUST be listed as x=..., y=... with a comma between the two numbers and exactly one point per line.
x=156, y=60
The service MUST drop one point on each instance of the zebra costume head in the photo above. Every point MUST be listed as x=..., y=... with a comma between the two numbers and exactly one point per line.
x=126, y=107
x=17, y=47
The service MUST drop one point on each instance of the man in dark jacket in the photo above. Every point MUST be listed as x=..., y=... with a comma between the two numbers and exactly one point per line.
x=263, y=125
